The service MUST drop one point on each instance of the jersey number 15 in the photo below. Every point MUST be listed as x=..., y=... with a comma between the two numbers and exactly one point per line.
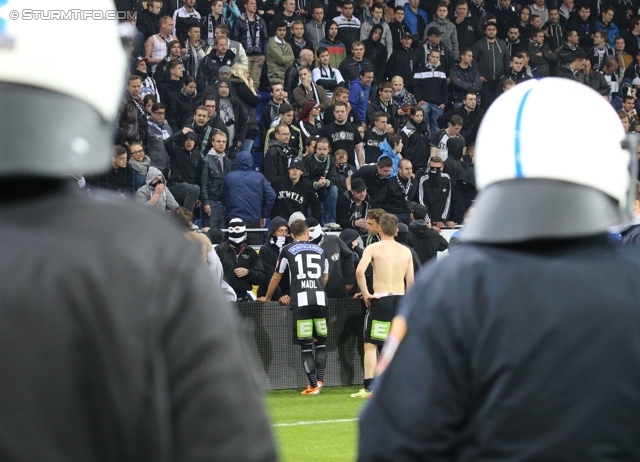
x=313, y=269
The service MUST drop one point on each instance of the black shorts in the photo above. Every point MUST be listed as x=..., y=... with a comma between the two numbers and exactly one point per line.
x=377, y=321
x=309, y=322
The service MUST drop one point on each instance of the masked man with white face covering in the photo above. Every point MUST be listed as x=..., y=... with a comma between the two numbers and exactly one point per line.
x=523, y=344
x=115, y=344
x=241, y=264
x=342, y=271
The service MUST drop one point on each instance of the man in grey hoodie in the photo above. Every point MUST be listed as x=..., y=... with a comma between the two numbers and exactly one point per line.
x=155, y=193
x=314, y=29
x=449, y=32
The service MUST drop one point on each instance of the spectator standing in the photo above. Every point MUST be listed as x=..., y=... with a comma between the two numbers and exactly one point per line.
x=415, y=18
x=467, y=26
x=295, y=193
x=298, y=41
x=352, y=66
x=374, y=176
x=584, y=25
x=569, y=49
x=403, y=61
x=430, y=88
x=248, y=195
x=386, y=105
x=605, y=23
x=600, y=51
x=232, y=115
x=186, y=168
x=439, y=139
x=148, y=83
x=348, y=25
x=516, y=73
x=320, y=170
x=374, y=137
x=376, y=52
x=398, y=27
x=554, y=29
x=315, y=28
x=541, y=55
x=183, y=18
x=340, y=258
x=242, y=87
x=337, y=50
x=492, y=57
x=279, y=53
x=148, y=22
x=434, y=192
x=448, y=29
x=424, y=239
x=309, y=91
x=464, y=77
x=279, y=153
x=470, y=114
x=209, y=70
x=159, y=131
x=377, y=18
x=277, y=237
x=156, y=46
x=344, y=135
x=251, y=31
x=398, y=192
x=353, y=207
x=215, y=168
x=359, y=92
x=415, y=139
x=295, y=137
x=208, y=23
x=324, y=75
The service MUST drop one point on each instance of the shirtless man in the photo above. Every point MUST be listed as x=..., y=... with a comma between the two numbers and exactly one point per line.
x=392, y=268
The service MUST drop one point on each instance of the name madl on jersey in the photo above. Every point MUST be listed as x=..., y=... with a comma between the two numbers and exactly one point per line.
x=308, y=284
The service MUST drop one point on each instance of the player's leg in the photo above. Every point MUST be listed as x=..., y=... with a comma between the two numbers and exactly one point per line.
x=376, y=331
x=303, y=334
x=320, y=334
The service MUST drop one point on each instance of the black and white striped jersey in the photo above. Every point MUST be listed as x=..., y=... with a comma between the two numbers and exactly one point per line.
x=307, y=264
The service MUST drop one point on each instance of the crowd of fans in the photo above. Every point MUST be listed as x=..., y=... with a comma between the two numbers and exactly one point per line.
x=371, y=105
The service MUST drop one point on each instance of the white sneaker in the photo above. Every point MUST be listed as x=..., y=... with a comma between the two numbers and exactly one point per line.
x=332, y=225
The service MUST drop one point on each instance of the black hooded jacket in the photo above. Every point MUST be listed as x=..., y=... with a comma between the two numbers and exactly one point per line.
x=269, y=253
x=376, y=52
x=425, y=241
x=234, y=256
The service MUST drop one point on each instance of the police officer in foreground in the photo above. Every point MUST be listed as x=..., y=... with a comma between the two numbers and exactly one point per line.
x=523, y=345
x=114, y=344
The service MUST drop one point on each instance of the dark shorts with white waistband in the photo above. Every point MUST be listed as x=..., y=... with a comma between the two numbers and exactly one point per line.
x=377, y=321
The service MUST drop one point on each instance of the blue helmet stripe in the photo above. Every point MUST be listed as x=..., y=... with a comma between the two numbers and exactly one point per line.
x=519, y=173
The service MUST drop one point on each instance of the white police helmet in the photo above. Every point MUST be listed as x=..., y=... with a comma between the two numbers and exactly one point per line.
x=551, y=162
x=58, y=109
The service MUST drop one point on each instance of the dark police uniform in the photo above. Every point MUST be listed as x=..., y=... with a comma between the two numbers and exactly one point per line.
x=534, y=356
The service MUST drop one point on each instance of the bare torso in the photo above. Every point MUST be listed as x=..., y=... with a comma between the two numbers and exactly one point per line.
x=391, y=263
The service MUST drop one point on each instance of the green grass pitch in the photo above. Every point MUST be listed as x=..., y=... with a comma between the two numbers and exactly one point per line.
x=299, y=429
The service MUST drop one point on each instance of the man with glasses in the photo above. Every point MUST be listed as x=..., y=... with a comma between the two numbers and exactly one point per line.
x=295, y=135
x=159, y=131
x=279, y=155
x=140, y=162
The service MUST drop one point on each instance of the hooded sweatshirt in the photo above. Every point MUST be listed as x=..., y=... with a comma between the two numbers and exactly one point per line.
x=387, y=151
x=269, y=253
x=246, y=193
x=314, y=31
x=145, y=193
x=449, y=35
x=425, y=241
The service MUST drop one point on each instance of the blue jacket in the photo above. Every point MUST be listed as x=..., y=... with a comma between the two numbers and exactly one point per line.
x=246, y=193
x=359, y=98
x=611, y=30
x=387, y=151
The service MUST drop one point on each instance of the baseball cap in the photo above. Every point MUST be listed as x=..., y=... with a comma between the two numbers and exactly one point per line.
x=407, y=34
x=358, y=185
x=224, y=70
x=434, y=31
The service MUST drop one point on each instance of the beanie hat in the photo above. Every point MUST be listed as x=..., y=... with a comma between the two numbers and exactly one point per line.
x=237, y=231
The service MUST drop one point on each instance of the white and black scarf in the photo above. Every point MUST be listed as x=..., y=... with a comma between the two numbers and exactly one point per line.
x=254, y=46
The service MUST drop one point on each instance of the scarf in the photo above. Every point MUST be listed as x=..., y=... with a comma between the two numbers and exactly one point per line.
x=165, y=134
x=192, y=58
x=140, y=167
x=184, y=92
x=254, y=46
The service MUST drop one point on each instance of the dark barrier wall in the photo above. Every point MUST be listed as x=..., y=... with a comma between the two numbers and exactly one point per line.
x=268, y=331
